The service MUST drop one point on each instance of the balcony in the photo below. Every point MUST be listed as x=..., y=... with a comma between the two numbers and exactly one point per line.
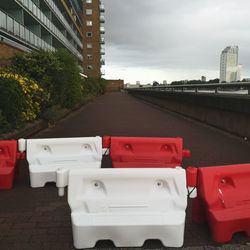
x=102, y=61
x=42, y=19
x=101, y=7
x=17, y=30
x=60, y=17
x=102, y=30
x=102, y=51
x=102, y=40
x=102, y=19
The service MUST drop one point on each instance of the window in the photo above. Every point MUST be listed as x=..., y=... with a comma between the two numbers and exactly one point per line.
x=89, y=12
x=88, y=1
x=89, y=56
x=88, y=34
x=89, y=46
x=89, y=23
x=89, y=67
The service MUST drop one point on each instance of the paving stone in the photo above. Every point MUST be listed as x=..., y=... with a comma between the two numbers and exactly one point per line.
x=37, y=218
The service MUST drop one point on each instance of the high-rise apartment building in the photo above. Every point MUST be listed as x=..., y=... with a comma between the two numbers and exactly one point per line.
x=239, y=71
x=93, y=40
x=229, y=64
x=26, y=25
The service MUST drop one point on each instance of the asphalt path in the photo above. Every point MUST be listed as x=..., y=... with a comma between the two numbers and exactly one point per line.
x=39, y=219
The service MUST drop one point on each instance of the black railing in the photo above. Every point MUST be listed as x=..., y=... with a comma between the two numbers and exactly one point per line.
x=232, y=88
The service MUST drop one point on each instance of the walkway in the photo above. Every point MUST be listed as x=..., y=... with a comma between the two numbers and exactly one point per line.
x=38, y=219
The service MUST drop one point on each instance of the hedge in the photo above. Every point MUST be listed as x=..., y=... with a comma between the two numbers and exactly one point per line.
x=38, y=84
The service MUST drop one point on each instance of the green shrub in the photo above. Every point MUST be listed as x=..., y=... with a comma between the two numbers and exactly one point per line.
x=39, y=65
x=35, y=85
x=67, y=81
x=4, y=125
x=57, y=73
x=94, y=86
x=51, y=114
x=12, y=101
x=20, y=99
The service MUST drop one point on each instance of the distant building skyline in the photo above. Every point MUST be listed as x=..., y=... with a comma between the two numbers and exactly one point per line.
x=230, y=71
x=239, y=72
x=203, y=79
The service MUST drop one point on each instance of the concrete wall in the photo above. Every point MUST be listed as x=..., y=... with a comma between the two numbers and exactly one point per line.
x=229, y=113
x=114, y=85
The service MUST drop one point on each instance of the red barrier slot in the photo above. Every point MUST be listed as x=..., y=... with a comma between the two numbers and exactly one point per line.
x=192, y=176
x=8, y=163
x=146, y=152
x=105, y=142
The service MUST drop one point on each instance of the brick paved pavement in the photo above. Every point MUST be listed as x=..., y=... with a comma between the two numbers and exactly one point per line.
x=39, y=219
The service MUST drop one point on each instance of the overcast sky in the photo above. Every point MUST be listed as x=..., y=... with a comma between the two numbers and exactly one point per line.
x=149, y=40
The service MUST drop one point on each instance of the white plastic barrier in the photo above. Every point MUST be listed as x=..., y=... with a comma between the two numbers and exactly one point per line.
x=46, y=156
x=127, y=206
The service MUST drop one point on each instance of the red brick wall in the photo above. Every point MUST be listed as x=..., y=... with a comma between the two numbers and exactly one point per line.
x=7, y=51
x=114, y=85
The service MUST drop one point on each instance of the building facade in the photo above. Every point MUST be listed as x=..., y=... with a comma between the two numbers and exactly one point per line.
x=239, y=72
x=93, y=40
x=27, y=25
x=115, y=85
x=229, y=69
x=203, y=79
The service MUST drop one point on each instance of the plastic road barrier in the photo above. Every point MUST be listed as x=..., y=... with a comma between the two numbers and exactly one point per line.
x=223, y=194
x=127, y=206
x=9, y=157
x=139, y=152
x=47, y=156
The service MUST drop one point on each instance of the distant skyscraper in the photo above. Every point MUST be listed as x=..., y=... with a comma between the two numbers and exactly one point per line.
x=203, y=79
x=229, y=64
x=239, y=70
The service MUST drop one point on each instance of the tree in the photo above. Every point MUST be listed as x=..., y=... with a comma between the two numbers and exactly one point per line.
x=216, y=80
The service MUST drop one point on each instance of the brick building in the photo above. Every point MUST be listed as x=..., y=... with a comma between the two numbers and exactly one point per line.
x=93, y=18
x=74, y=25
x=115, y=85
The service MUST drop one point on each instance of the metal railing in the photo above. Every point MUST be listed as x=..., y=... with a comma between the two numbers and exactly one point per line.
x=102, y=30
x=101, y=7
x=222, y=88
x=11, y=26
x=35, y=11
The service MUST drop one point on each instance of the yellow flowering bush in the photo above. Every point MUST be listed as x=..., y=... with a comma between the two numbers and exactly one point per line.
x=21, y=96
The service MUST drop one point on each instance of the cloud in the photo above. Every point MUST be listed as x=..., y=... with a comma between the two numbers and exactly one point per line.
x=174, y=39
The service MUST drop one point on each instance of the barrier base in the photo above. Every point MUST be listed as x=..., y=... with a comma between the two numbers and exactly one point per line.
x=6, y=178
x=39, y=178
x=128, y=230
x=224, y=224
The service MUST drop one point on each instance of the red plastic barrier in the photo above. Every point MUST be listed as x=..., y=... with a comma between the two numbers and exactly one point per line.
x=139, y=152
x=8, y=163
x=191, y=175
x=106, y=141
x=224, y=191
